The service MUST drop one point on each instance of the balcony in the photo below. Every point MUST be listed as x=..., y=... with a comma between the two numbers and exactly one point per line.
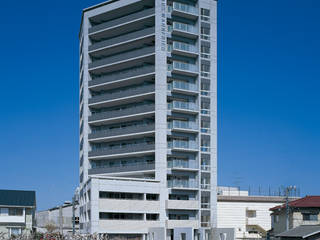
x=183, y=68
x=184, y=126
x=190, y=146
x=121, y=22
x=107, y=62
x=184, y=30
x=126, y=75
x=184, y=10
x=182, y=184
x=120, y=132
x=184, y=107
x=184, y=49
x=122, y=39
x=103, y=116
x=205, y=168
x=205, y=205
x=182, y=204
x=183, y=87
x=182, y=164
x=205, y=186
x=123, y=168
x=127, y=149
x=128, y=93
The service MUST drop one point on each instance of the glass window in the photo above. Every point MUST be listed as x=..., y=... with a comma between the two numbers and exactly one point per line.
x=310, y=217
x=205, y=30
x=205, y=12
x=15, y=231
x=15, y=211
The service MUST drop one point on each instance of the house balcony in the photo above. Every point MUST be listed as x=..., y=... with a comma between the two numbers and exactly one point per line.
x=122, y=96
x=184, y=30
x=183, y=126
x=109, y=64
x=132, y=75
x=120, y=40
x=132, y=150
x=183, y=107
x=184, y=10
x=183, y=68
x=183, y=87
x=188, y=146
x=123, y=168
x=182, y=204
x=184, y=49
x=122, y=25
x=122, y=133
x=128, y=113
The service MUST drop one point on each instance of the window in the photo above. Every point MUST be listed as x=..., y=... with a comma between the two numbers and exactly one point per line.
x=152, y=217
x=15, y=211
x=310, y=217
x=205, y=33
x=251, y=213
x=205, y=14
x=152, y=197
x=121, y=195
x=183, y=236
x=120, y=216
x=15, y=231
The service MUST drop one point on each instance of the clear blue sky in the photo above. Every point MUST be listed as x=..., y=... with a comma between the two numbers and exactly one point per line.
x=269, y=81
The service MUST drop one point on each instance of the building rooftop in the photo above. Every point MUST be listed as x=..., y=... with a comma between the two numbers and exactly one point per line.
x=303, y=231
x=17, y=198
x=306, y=202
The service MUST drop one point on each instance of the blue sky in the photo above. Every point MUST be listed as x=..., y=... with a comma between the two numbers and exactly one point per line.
x=268, y=93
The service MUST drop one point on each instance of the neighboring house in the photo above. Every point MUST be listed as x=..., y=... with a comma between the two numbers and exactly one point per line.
x=248, y=215
x=59, y=217
x=17, y=209
x=304, y=211
x=307, y=232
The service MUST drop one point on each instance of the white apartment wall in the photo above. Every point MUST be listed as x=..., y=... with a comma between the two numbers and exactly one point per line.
x=233, y=215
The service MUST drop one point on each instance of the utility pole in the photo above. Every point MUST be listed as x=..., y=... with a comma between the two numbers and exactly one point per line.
x=73, y=216
x=288, y=191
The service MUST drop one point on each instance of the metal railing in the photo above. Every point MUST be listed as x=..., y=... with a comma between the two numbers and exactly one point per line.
x=183, y=105
x=181, y=184
x=183, y=27
x=183, y=144
x=183, y=125
x=185, y=8
x=180, y=164
x=182, y=85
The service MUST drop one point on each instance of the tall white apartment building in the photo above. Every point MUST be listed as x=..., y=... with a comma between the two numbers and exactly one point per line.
x=148, y=119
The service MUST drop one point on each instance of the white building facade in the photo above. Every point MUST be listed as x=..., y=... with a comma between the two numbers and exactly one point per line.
x=249, y=216
x=148, y=119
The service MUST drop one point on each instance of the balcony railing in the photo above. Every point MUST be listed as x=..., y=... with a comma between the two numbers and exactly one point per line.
x=181, y=164
x=205, y=111
x=205, y=167
x=185, y=27
x=181, y=184
x=120, y=149
x=183, y=105
x=122, y=94
x=205, y=205
x=123, y=168
x=121, y=39
x=185, y=8
x=183, y=125
x=180, y=46
x=205, y=130
x=205, y=93
x=205, y=186
x=121, y=131
x=192, y=145
x=181, y=66
x=122, y=20
x=129, y=73
x=205, y=149
x=122, y=112
x=122, y=57
x=183, y=86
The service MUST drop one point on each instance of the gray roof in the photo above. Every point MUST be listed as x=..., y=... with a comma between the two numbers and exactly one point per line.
x=303, y=231
x=17, y=198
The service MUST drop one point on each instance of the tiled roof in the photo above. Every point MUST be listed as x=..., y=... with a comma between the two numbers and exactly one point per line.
x=17, y=198
x=306, y=202
x=303, y=231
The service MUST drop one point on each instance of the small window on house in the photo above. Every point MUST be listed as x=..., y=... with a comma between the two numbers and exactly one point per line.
x=251, y=213
x=183, y=236
x=310, y=217
x=15, y=211
x=152, y=197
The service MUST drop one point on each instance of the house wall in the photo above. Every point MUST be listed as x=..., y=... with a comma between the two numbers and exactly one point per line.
x=234, y=215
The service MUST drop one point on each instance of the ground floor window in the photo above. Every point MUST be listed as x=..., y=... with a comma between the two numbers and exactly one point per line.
x=15, y=231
